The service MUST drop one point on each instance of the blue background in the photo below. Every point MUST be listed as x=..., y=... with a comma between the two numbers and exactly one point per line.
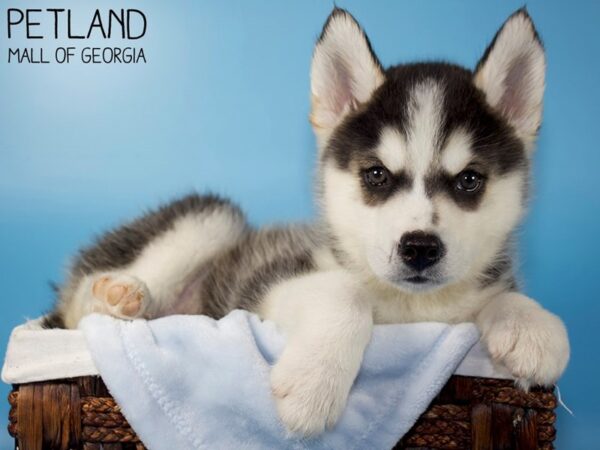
x=222, y=104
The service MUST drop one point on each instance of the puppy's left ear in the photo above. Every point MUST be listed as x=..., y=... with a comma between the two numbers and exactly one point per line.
x=511, y=74
x=345, y=72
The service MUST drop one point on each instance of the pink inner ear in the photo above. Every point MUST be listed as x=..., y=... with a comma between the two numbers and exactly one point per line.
x=343, y=99
x=513, y=103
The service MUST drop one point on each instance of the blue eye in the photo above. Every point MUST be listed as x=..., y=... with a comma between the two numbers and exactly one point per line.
x=376, y=176
x=469, y=181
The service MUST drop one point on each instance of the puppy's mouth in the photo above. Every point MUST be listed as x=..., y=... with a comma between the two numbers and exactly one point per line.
x=417, y=279
x=420, y=283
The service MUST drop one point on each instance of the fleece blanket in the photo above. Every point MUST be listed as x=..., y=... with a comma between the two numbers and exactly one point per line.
x=190, y=382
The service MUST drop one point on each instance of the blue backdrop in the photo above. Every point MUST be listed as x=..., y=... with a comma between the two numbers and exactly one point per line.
x=222, y=104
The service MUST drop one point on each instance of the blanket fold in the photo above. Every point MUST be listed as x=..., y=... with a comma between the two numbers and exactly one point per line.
x=191, y=382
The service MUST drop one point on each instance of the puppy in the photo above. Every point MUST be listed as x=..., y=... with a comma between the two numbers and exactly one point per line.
x=423, y=173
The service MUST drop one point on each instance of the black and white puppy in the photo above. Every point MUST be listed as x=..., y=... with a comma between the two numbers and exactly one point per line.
x=423, y=173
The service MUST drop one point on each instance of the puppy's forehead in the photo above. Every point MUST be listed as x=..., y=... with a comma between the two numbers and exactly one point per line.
x=427, y=114
x=424, y=141
x=396, y=152
x=424, y=123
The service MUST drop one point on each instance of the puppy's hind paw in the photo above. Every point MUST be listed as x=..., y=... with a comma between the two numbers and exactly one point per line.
x=119, y=295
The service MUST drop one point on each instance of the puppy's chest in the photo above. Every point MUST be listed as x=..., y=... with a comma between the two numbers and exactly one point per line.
x=455, y=307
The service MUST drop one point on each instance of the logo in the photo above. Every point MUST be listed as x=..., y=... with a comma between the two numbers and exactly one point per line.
x=38, y=27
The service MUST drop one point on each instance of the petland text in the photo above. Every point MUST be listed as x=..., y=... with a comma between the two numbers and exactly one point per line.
x=59, y=24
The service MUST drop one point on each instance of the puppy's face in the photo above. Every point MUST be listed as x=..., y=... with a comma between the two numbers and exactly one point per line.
x=424, y=167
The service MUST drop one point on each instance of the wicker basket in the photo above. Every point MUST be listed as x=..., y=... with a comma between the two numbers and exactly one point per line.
x=469, y=413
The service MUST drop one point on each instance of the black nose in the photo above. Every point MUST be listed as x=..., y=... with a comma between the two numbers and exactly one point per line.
x=420, y=250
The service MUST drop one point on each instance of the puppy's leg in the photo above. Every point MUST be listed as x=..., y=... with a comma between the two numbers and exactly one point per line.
x=328, y=325
x=140, y=269
x=530, y=341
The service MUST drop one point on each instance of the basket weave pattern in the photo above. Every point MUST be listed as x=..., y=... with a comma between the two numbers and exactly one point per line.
x=469, y=413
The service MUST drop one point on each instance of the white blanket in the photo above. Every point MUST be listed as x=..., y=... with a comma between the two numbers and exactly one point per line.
x=189, y=382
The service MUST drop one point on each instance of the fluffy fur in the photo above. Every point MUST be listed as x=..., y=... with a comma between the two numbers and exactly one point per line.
x=430, y=150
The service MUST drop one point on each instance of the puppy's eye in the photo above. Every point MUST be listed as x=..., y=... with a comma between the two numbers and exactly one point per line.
x=376, y=176
x=469, y=181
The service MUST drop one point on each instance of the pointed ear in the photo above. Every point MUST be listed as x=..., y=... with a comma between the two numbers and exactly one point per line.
x=511, y=74
x=344, y=72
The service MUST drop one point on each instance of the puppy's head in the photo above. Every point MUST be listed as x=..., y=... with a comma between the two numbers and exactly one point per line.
x=423, y=167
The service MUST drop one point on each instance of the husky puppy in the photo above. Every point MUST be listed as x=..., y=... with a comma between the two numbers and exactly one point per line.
x=423, y=173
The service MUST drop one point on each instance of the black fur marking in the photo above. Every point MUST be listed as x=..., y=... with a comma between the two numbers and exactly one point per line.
x=443, y=183
x=497, y=151
x=374, y=195
x=257, y=286
x=500, y=270
x=240, y=277
x=494, y=146
x=53, y=320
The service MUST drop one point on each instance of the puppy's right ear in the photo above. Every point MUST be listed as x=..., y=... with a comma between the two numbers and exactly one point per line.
x=345, y=72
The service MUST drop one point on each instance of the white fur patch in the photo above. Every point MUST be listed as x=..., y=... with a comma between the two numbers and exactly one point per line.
x=346, y=211
x=168, y=260
x=425, y=117
x=391, y=149
x=457, y=154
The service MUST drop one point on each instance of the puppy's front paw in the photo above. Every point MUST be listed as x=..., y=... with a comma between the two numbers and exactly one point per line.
x=533, y=345
x=310, y=395
x=120, y=295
